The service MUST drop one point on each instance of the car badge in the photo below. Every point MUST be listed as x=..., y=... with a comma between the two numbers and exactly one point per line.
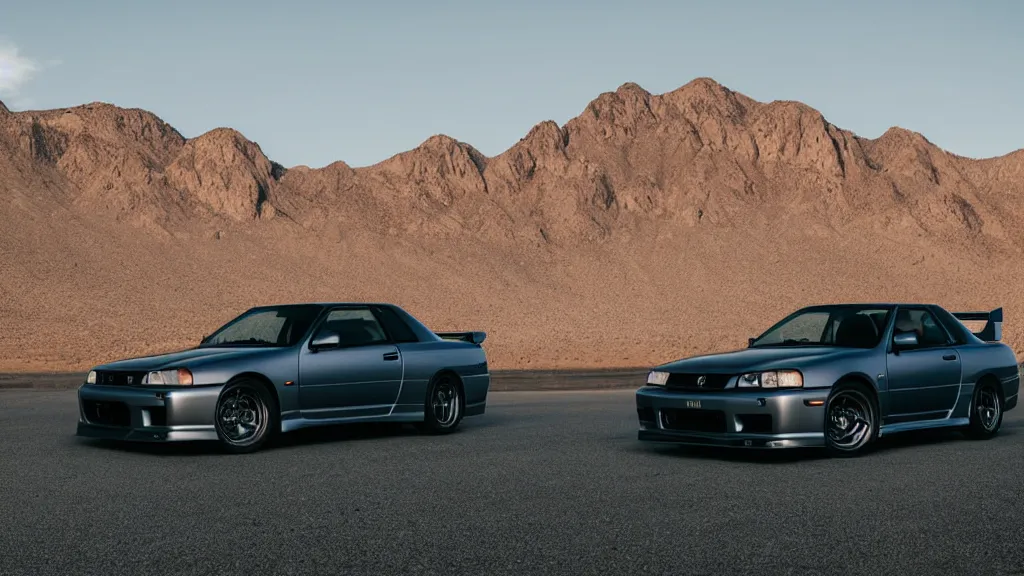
x=701, y=379
x=131, y=380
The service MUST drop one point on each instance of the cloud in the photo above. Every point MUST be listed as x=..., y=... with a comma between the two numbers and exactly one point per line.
x=15, y=70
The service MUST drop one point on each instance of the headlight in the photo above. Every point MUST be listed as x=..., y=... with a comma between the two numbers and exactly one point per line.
x=174, y=377
x=772, y=379
x=657, y=378
x=91, y=377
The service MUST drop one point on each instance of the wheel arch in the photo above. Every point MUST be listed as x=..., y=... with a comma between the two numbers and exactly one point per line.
x=989, y=376
x=448, y=371
x=264, y=381
x=861, y=381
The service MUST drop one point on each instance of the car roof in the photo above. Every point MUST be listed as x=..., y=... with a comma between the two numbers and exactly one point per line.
x=325, y=304
x=885, y=305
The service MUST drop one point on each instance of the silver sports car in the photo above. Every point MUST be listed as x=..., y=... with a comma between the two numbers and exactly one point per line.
x=275, y=369
x=838, y=376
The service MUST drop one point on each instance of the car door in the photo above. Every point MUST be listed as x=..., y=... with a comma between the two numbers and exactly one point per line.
x=923, y=380
x=355, y=371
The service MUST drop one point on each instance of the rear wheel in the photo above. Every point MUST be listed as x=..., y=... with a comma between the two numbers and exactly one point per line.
x=986, y=411
x=246, y=416
x=444, y=406
x=851, y=421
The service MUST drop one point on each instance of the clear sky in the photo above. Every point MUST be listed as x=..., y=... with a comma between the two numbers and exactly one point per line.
x=314, y=81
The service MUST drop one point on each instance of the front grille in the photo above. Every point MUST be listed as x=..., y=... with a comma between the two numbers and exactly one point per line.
x=693, y=420
x=107, y=413
x=106, y=378
x=697, y=382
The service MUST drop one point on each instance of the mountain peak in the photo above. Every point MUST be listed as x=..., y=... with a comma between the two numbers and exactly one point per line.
x=226, y=171
x=632, y=88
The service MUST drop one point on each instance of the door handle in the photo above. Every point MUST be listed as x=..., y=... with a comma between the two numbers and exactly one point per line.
x=391, y=356
x=949, y=357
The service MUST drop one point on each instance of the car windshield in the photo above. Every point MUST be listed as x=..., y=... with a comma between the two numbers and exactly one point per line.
x=844, y=326
x=269, y=326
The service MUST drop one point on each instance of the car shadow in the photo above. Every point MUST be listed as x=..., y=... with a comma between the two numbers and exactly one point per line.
x=758, y=456
x=188, y=448
x=350, y=432
x=901, y=441
x=305, y=436
x=918, y=438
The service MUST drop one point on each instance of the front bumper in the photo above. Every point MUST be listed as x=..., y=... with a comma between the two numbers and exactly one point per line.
x=730, y=418
x=147, y=414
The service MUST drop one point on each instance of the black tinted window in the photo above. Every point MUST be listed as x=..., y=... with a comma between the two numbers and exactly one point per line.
x=395, y=326
x=355, y=327
x=952, y=325
x=921, y=322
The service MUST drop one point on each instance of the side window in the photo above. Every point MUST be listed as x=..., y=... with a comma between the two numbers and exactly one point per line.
x=934, y=334
x=857, y=330
x=396, y=327
x=930, y=333
x=355, y=327
x=953, y=326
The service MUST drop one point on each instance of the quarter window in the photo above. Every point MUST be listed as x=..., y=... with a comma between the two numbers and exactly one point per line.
x=396, y=327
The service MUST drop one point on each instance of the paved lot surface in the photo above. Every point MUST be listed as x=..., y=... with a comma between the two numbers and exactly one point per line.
x=544, y=483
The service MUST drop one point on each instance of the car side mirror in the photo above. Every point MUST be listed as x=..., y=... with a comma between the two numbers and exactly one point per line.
x=325, y=339
x=905, y=340
x=750, y=342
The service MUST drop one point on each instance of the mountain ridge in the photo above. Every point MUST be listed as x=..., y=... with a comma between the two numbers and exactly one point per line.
x=687, y=220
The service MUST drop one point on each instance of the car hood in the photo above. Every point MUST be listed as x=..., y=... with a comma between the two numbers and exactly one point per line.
x=756, y=359
x=183, y=359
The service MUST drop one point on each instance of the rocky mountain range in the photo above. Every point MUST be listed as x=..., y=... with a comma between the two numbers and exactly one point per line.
x=646, y=228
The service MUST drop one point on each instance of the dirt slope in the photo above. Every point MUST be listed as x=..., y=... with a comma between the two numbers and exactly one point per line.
x=646, y=228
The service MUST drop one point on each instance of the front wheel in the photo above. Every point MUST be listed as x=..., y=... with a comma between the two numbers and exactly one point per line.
x=986, y=412
x=850, y=422
x=443, y=409
x=245, y=418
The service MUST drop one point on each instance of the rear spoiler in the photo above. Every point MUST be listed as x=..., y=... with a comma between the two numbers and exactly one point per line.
x=993, y=330
x=471, y=337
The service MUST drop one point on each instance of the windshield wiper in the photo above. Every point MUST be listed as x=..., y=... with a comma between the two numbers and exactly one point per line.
x=249, y=342
x=791, y=342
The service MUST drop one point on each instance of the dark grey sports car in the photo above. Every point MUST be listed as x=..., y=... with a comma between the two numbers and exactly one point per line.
x=276, y=369
x=838, y=376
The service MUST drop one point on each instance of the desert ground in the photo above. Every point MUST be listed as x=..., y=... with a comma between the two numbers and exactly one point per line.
x=648, y=228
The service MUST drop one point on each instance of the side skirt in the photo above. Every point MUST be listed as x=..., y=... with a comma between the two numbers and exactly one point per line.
x=293, y=419
x=298, y=422
x=922, y=425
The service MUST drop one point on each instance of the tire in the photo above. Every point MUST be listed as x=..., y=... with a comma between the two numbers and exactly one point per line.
x=444, y=406
x=986, y=411
x=246, y=417
x=851, y=421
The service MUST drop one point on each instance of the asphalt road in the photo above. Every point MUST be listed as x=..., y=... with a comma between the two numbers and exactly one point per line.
x=544, y=483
